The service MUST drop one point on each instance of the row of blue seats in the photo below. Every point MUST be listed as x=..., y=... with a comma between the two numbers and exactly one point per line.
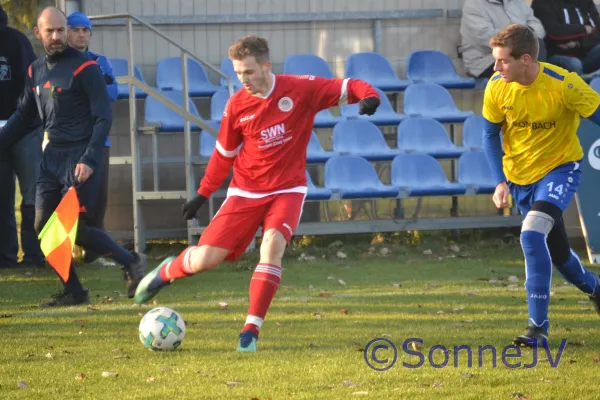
x=424, y=66
x=412, y=175
x=421, y=100
x=364, y=139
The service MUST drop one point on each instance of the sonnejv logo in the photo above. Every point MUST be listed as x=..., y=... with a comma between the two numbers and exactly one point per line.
x=381, y=354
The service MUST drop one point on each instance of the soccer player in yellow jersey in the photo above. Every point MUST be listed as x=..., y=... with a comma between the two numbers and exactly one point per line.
x=538, y=107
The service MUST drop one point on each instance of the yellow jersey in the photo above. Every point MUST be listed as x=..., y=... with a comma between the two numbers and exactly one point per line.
x=539, y=121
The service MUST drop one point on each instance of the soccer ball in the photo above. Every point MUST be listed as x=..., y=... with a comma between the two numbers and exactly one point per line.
x=162, y=329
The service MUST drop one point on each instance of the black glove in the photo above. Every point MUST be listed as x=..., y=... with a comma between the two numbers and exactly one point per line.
x=368, y=106
x=190, y=208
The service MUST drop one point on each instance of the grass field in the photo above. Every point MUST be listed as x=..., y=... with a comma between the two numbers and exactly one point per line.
x=312, y=343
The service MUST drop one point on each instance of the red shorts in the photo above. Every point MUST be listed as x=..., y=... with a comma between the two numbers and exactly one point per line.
x=235, y=224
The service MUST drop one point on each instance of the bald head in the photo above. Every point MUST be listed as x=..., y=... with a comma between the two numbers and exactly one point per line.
x=52, y=13
x=51, y=29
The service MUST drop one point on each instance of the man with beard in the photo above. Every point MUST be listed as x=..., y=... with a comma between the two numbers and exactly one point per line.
x=67, y=89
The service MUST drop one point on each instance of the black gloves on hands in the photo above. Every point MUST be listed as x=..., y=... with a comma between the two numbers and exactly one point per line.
x=190, y=208
x=368, y=106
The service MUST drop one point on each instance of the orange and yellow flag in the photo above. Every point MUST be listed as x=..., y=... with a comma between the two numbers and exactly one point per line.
x=57, y=239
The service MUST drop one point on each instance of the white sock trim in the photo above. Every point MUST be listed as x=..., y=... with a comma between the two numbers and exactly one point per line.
x=186, y=260
x=254, y=320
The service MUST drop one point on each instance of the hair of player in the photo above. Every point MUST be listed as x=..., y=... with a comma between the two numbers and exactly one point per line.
x=37, y=21
x=519, y=39
x=250, y=45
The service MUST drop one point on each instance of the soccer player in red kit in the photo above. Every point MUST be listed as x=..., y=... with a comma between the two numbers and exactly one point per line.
x=264, y=134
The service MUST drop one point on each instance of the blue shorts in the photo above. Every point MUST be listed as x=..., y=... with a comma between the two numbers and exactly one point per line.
x=557, y=187
x=57, y=175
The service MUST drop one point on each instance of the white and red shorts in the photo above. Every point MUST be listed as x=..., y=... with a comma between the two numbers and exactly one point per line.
x=235, y=224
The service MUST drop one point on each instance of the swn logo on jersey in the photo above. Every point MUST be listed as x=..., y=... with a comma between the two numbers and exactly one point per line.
x=274, y=136
x=534, y=125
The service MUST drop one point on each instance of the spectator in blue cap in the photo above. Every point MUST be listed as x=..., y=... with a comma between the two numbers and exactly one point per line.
x=79, y=35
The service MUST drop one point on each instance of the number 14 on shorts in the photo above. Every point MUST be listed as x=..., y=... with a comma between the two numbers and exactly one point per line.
x=554, y=189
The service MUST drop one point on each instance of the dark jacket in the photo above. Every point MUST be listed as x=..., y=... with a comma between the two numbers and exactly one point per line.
x=16, y=54
x=73, y=100
x=564, y=21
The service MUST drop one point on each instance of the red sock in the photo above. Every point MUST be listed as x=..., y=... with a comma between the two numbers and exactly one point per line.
x=263, y=286
x=179, y=267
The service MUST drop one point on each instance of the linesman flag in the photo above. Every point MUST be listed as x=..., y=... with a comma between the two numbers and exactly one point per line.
x=57, y=239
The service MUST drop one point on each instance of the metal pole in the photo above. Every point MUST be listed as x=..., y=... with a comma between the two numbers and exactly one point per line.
x=377, y=36
x=187, y=137
x=61, y=5
x=138, y=223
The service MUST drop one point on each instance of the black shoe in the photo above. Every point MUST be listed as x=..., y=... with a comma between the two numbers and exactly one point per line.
x=65, y=299
x=135, y=273
x=596, y=302
x=534, y=334
x=89, y=257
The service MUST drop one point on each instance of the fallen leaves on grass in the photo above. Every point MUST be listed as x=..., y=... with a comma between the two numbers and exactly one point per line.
x=324, y=294
x=350, y=384
x=341, y=282
x=520, y=396
x=223, y=305
x=344, y=311
x=108, y=374
x=22, y=385
x=80, y=377
x=233, y=383
x=150, y=379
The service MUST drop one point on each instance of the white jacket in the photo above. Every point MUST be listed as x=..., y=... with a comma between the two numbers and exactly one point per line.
x=482, y=19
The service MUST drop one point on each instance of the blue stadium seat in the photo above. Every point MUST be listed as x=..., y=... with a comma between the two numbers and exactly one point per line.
x=595, y=84
x=227, y=68
x=433, y=101
x=120, y=67
x=474, y=172
x=168, y=77
x=427, y=136
x=363, y=139
x=385, y=114
x=217, y=104
x=314, y=192
x=207, y=144
x=433, y=66
x=167, y=119
x=353, y=177
x=422, y=175
x=324, y=119
x=375, y=69
x=315, y=152
x=306, y=64
x=473, y=132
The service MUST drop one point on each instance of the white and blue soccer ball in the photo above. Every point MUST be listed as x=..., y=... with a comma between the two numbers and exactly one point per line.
x=162, y=329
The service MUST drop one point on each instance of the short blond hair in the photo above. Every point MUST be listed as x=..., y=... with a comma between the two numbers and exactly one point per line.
x=519, y=39
x=250, y=45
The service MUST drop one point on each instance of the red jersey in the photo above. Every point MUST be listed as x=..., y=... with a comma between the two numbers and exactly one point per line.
x=265, y=138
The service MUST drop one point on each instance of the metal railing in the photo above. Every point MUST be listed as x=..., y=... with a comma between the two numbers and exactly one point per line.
x=189, y=118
